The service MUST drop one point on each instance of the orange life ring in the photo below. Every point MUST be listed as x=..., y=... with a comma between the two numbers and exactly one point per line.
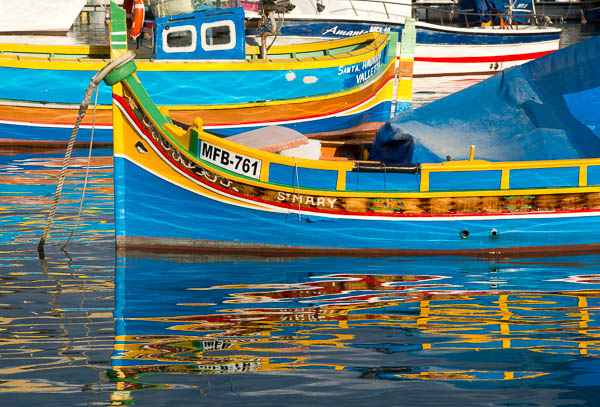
x=135, y=13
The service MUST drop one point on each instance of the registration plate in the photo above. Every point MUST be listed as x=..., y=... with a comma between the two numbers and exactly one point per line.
x=237, y=163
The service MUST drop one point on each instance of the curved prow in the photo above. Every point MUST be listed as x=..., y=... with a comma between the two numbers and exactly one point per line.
x=124, y=74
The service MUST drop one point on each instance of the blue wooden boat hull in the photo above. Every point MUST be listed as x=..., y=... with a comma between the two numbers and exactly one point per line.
x=441, y=50
x=158, y=211
x=201, y=87
x=426, y=34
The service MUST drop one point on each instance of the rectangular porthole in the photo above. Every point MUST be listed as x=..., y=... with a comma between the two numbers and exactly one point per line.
x=219, y=35
x=180, y=39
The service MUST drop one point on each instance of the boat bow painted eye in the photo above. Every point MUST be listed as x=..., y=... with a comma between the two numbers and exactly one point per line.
x=141, y=148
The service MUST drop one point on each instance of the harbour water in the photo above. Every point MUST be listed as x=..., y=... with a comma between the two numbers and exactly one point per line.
x=88, y=326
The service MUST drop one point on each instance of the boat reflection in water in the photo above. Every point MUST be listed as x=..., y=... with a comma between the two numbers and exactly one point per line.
x=323, y=325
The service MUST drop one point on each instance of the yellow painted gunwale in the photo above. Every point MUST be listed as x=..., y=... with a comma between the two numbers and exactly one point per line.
x=56, y=49
x=252, y=50
x=378, y=42
x=343, y=167
x=268, y=158
x=320, y=46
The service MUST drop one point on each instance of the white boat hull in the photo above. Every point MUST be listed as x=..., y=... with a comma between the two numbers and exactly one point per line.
x=438, y=60
x=440, y=50
x=18, y=16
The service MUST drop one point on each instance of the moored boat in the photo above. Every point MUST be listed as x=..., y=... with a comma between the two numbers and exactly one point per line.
x=452, y=49
x=342, y=84
x=419, y=188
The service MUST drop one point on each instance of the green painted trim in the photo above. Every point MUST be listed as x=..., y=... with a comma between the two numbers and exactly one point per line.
x=151, y=110
x=335, y=52
x=116, y=37
x=193, y=149
x=409, y=38
x=146, y=102
x=118, y=27
x=120, y=73
x=392, y=44
x=348, y=48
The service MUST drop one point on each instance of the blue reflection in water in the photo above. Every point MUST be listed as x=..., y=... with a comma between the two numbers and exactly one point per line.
x=425, y=329
x=56, y=322
x=28, y=179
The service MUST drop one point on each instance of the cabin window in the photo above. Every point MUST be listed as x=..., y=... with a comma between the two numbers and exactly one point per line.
x=180, y=39
x=219, y=35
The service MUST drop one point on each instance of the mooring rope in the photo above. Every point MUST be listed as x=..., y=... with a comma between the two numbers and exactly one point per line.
x=87, y=171
x=123, y=59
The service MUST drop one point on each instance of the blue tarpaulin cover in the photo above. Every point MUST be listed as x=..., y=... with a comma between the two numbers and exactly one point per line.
x=485, y=7
x=546, y=109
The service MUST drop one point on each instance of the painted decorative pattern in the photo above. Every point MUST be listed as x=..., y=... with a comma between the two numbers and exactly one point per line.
x=331, y=202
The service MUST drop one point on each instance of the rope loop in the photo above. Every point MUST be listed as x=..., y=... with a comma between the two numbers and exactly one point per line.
x=96, y=79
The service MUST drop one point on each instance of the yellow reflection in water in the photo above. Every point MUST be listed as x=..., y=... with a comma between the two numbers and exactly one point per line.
x=268, y=339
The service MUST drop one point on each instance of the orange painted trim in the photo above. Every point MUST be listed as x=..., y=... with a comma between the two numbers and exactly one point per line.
x=248, y=114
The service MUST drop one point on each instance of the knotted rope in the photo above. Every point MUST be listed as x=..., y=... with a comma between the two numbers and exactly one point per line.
x=85, y=180
x=123, y=59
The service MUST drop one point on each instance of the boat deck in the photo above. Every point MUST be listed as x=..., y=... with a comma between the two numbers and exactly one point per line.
x=91, y=30
x=88, y=29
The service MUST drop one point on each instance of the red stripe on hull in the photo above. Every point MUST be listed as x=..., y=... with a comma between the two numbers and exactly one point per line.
x=493, y=58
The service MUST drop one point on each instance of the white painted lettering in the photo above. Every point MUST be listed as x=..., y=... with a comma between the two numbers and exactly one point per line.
x=332, y=30
x=317, y=201
x=335, y=30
